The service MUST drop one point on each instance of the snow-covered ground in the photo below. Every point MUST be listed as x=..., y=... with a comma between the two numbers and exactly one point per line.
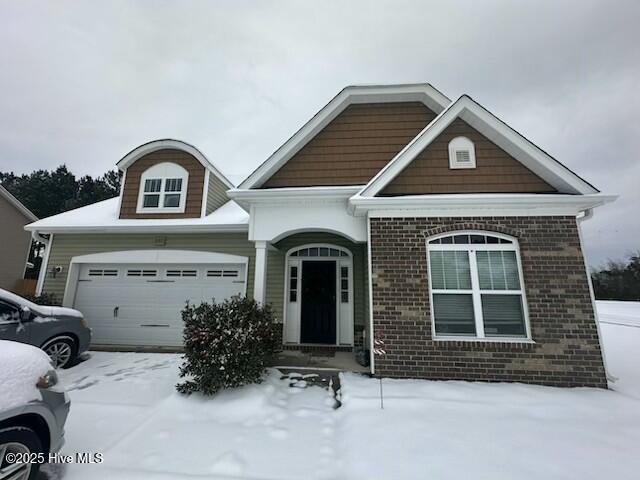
x=124, y=405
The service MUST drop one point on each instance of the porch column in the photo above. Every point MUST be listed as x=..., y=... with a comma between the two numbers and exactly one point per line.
x=260, y=274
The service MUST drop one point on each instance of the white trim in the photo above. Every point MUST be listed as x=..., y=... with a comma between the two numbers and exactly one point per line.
x=534, y=158
x=168, y=143
x=424, y=93
x=248, y=197
x=122, y=183
x=610, y=377
x=158, y=228
x=370, y=282
x=205, y=193
x=479, y=204
x=461, y=144
x=17, y=204
x=163, y=171
x=340, y=322
x=142, y=257
x=475, y=291
x=160, y=256
x=45, y=262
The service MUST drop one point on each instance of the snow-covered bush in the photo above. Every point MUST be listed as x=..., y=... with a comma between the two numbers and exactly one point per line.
x=226, y=345
x=48, y=299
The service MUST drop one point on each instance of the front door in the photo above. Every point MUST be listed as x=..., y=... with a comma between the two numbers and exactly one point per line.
x=318, y=313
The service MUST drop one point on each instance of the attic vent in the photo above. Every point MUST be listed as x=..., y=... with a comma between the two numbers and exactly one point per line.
x=463, y=156
x=462, y=153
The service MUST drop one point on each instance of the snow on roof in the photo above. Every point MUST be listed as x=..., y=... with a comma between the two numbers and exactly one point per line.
x=103, y=216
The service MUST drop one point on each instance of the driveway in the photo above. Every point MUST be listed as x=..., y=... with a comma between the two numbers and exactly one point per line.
x=124, y=406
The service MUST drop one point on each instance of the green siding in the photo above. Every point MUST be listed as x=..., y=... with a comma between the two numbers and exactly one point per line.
x=66, y=246
x=216, y=193
x=276, y=266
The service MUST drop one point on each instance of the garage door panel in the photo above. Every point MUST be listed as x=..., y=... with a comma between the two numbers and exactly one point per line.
x=148, y=308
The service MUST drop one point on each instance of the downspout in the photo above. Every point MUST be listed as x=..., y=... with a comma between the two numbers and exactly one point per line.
x=370, y=282
x=37, y=237
x=587, y=214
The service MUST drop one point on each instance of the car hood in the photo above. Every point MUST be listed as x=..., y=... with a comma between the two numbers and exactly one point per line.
x=50, y=311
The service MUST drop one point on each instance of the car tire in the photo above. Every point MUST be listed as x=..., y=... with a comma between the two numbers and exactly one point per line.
x=24, y=441
x=62, y=350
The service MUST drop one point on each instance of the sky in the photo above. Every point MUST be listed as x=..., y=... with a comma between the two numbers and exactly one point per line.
x=83, y=83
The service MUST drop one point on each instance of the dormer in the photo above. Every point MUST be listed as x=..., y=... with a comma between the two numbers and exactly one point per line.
x=170, y=179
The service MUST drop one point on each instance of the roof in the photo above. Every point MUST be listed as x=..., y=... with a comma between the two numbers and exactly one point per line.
x=165, y=143
x=514, y=143
x=103, y=217
x=16, y=203
x=422, y=92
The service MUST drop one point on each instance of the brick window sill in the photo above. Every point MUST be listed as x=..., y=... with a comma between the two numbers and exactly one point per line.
x=484, y=343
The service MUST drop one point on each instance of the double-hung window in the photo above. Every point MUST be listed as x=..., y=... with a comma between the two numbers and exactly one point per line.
x=476, y=287
x=163, y=189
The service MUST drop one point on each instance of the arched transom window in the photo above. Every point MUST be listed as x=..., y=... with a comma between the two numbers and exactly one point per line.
x=163, y=188
x=476, y=286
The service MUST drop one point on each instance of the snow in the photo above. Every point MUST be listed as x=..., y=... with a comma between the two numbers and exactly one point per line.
x=104, y=215
x=125, y=406
x=20, y=367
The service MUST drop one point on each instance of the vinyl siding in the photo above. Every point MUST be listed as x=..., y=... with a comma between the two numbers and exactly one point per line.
x=276, y=271
x=216, y=194
x=354, y=146
x=66, y=246
x=496, y=171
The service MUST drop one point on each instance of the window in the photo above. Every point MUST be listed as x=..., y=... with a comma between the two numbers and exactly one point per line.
x=293, y=283
x=141, y=273
x=8, y=313
x=344, y=284
x=462, y=153
x=163, y=189
x=476, y=286
x=181, y=273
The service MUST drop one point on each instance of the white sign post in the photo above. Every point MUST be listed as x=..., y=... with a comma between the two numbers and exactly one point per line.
x=379, y=350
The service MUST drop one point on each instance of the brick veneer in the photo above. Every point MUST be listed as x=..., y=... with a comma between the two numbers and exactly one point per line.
x=566, y=351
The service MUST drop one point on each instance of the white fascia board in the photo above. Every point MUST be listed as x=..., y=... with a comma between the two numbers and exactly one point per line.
x=157, y=229
x=531, y=156
x=159, y=256
x=424, y=93
x=246, y=198
x=17, y=204
x=477, y=205
x=155, y=145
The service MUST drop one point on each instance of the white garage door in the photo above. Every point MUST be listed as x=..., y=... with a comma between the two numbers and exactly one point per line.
x=140, y=304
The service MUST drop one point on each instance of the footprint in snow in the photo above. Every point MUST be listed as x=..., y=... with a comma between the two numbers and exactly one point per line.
x=229, y=463
x=83, y=386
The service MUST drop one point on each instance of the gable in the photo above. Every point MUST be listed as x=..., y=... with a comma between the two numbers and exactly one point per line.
x=195, y=185
x=354, y=146
x=496, y=171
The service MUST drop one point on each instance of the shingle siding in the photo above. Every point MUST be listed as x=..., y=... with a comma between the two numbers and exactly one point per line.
x=567, y=349
x=216, y=194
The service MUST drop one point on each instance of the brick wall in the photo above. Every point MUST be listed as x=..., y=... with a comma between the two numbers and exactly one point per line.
x=566, y=351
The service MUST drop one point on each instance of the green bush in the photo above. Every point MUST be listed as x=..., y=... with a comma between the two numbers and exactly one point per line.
x=48, y=299
x=226, y=345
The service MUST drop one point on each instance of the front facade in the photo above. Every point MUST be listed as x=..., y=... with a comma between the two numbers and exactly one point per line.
x=423, y=231
x=14, y=240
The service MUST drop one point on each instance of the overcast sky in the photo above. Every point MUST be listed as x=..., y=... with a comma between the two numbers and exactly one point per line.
x=82, y=83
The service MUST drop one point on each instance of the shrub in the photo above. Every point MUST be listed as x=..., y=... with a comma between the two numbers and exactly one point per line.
x=43, y=299
x=226, y=345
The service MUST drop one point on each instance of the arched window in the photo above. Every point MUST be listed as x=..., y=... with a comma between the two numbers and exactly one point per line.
x=462, y=153
x=163, y=188
x=476, y=286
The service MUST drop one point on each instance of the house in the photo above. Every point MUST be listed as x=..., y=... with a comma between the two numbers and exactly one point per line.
x=16, y=243
x=393, y=218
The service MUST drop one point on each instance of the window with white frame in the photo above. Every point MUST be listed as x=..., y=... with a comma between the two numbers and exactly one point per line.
x=163, y=189
x=462, y=153
x=476, y=286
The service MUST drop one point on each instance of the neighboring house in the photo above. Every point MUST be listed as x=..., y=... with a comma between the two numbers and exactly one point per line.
x=15, y=243
x=394, y=215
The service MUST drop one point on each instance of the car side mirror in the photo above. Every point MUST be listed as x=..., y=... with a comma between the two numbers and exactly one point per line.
x=25, y=313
